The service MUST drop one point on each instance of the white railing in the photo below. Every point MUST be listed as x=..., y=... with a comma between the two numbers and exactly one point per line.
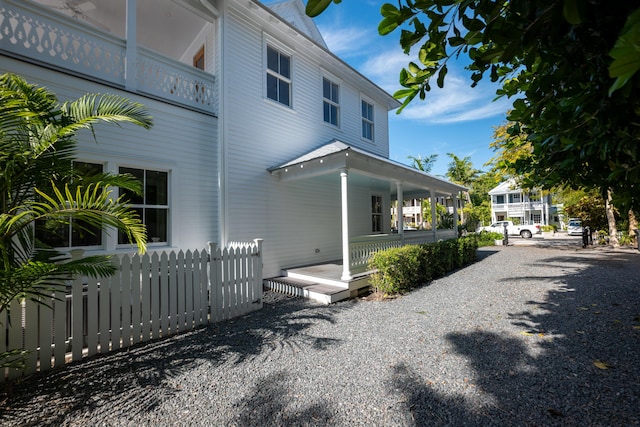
x=151, y=296
x=362, y=248
x=28, y=31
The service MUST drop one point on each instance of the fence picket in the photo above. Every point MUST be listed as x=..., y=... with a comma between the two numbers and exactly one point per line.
x=164, y=294
x=150, y=296
x=188, y=288
x=136, y=310
x=126, y=301
x=91, y=308
x=45, y=320
x=31, y=335
x=155, y=296
x=77, y=300
x=115, y=311
x=182, y=306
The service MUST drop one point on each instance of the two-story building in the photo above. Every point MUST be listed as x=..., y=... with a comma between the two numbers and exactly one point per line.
x=260, y=131
x=509, y=201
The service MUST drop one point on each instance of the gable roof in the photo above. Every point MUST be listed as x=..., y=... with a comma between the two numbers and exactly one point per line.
x=293, y=11
x=508, y=186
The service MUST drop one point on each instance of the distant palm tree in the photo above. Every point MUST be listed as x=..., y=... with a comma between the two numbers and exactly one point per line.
x=37, y=183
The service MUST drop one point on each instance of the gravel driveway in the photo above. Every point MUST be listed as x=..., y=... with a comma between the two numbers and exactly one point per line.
x=516, y=339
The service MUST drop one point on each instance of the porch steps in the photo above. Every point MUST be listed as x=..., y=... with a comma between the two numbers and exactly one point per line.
x=321, y=292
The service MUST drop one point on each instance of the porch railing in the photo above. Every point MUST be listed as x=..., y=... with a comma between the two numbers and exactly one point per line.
x=362, y=248
x=28, y=31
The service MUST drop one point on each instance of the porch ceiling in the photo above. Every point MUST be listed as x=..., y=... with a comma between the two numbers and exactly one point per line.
x=377, y=170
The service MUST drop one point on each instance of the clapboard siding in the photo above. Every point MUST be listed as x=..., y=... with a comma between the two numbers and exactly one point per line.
x=182, y=141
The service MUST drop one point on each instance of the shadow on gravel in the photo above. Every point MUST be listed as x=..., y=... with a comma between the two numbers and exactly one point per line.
x=576, y=361
x=133, y=382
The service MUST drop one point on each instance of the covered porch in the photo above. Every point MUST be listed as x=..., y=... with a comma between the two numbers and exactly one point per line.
x=358, y=168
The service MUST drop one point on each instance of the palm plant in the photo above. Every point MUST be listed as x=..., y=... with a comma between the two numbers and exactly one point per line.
x=37, y=183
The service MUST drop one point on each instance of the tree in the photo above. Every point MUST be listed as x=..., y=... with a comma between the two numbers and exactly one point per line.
x=424, y=164
x=570, y=66
x=461, y=171
x=37, y=183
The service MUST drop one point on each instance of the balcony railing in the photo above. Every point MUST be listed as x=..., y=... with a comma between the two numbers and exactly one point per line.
x=28, y=31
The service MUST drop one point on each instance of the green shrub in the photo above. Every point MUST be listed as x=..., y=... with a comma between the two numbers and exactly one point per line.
x=549, y=227
x=398, y=269
x=488, y=238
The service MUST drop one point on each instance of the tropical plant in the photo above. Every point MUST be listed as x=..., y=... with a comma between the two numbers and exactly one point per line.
x=38, y=184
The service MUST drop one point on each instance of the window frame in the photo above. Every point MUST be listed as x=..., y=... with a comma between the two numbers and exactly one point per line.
x=331, y=103
x=198, y=58
x=366, y=121
x=280, y=78
x=146, y=207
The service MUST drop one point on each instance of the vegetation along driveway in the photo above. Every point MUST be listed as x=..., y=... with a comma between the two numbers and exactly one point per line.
x=526, y=336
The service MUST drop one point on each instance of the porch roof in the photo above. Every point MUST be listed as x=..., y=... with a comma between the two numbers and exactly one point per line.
x=337, y=155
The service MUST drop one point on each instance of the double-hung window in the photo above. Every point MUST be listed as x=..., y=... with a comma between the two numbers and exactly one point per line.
x=367, y=120
x=376, y=214
x=74, y=233
x=152, y=206
x=278, y=76
x=331, y=101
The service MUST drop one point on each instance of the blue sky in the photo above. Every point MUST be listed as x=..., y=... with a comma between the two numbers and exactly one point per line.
x=457, y=119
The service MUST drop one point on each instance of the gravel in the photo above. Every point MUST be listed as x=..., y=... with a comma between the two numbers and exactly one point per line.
x=514, y=339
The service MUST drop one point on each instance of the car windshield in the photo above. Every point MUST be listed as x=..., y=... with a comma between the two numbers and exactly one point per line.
x=574, y=223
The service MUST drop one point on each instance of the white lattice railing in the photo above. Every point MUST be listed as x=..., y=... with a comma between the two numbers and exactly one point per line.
x=28, y=31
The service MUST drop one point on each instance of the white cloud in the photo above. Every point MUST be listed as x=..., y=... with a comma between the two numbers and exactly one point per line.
x=345, y=41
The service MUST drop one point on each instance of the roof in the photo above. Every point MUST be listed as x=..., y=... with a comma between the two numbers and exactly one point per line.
x=508, y=186
x=337, y=155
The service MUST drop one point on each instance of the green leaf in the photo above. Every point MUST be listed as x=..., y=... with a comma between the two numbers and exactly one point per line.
x=472, y=24
x=626, y=53
x=441, y=76
x=316, y=7
x=571, y=12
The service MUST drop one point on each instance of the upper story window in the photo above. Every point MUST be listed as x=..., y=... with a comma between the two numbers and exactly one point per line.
x=514, y=198
x=278, y=76
x=499, y=199
x=367, y=120
x=75, y=233
x=331, y=101
x=152, y=206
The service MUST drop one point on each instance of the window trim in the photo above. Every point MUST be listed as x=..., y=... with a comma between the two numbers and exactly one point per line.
x=269, y=44
x=371, y=122
x=331, y=102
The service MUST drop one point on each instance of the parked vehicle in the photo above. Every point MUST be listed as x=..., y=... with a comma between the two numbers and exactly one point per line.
x=574, y=228
x=524, y=231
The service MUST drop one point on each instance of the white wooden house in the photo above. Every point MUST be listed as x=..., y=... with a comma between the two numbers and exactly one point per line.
x=509, y=201
x=260, y=131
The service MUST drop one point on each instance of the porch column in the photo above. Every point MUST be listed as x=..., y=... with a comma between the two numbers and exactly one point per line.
x=131, y=53
x=400, y=213
x=346, y=258
x=434, y=222
x=455, y=213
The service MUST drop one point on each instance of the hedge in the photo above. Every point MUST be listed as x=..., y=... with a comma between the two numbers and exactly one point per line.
x=398, y=270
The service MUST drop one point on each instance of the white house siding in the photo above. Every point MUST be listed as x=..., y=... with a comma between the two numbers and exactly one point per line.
x=181, y=141
x=294, y=218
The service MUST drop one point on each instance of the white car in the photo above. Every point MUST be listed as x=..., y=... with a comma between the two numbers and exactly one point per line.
x=575, y=227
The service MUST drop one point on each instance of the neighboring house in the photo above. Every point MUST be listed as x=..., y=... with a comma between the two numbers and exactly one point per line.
x=260, y=131
x=508, y=201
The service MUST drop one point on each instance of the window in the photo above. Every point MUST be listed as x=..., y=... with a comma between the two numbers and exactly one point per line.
x=152, y=206
x=278, y=76
x=500, y=199
x=376, y=214
x=331, y=101
x=367, y=120
x=537, y=218
x=514, y=198
x=198, y=59
x=76, y=233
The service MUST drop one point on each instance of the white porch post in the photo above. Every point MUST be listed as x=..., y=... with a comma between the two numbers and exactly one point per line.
x=346, y=258
x=434, y=222
x=130, y=77
x=455, y=213
x=400, y=213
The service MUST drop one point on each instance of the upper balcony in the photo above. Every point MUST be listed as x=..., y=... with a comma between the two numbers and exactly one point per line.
x=168, y=42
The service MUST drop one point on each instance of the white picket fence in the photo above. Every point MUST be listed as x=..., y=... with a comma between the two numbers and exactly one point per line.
x=151, y=296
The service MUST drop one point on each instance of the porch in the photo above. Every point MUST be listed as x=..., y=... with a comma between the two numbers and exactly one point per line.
x=325, y=283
